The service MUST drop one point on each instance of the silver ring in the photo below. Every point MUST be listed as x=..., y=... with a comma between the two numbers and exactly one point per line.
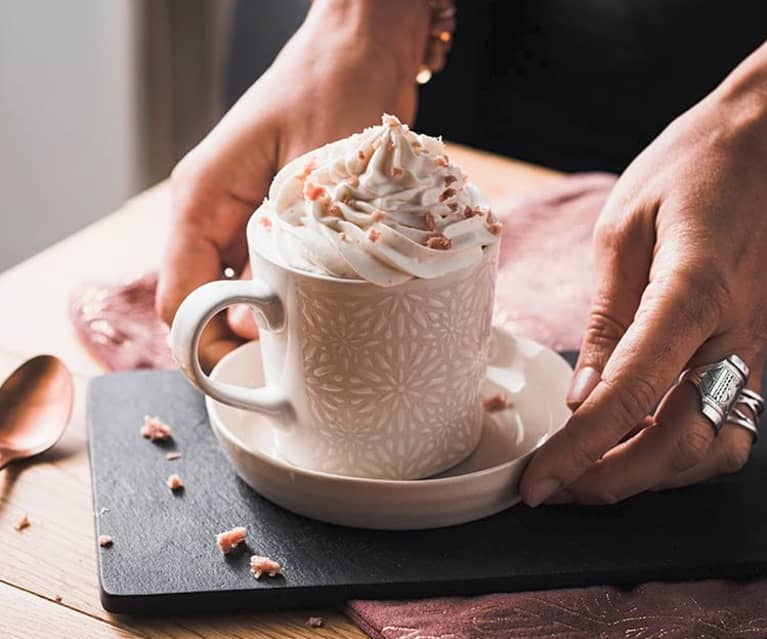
x=753, y=400
x=719, y=386
x=739, y=418
x=755, y=403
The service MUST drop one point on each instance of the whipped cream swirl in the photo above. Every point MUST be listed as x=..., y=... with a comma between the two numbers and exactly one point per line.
x=384, y=205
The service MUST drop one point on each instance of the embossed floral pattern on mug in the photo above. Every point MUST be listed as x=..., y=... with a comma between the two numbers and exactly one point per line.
x=393, y=381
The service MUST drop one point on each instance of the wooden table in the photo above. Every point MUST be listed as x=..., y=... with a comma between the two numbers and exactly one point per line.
x=56, y=556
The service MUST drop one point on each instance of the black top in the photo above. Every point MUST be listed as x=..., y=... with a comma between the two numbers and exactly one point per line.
x=575, y=85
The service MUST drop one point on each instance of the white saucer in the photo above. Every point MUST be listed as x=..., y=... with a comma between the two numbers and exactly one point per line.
x=534, y=378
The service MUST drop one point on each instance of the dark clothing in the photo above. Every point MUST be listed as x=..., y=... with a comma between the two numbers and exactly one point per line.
x=571, y=84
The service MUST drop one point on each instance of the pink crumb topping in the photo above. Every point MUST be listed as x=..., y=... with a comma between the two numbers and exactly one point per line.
x=310, y=166
x=428, y=222
x=493, y=225
x=175, y=482
x=173, y=455
x=439, y=242
x=315, y=622
x=265, y=222
x=155, y=430
x=313, y=191
x=377, y=216
x=229, y=540
x=374, y=235
x=396, y=172
x=472, y=212
x=449, y=179
x=390, y=120
x=263, y=566
x=495, y=403
x=441, y=161
x=447, y=194
x=105, y=541
x=22, y=523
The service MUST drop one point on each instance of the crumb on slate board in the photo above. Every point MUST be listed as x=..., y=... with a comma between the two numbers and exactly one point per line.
x=156, y=430
x=175, y=482
x=260, y=566
x=229, y=539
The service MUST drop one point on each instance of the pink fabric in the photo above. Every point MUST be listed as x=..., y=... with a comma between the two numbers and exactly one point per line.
x=543, y=292
x=545, y=268
x=118, y=325
x=705, y=610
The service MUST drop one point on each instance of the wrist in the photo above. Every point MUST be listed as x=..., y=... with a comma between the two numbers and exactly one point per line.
x=740, y=101
x=391, y=33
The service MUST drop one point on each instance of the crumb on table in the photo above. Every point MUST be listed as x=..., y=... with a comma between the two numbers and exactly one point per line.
x=57, y=598
x=229, y=540
x=155, y=430
x=495, y=403
x=315, y=622
x=22, y=523
x=172, y=456
x=105, y=541
x=260, y=566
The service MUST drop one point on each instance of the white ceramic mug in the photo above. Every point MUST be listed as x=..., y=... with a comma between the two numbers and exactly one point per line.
x=361, y=380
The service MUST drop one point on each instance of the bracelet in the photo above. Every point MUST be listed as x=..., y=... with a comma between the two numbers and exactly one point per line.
x=441, y=29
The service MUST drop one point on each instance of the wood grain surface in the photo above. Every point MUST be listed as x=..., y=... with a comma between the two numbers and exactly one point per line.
x=55, y=556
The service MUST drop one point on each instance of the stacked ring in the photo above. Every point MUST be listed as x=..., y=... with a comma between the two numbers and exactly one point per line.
x=754, y=402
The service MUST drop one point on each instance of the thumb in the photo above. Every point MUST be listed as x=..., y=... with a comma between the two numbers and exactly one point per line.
x=240, y=317
x=622, y=256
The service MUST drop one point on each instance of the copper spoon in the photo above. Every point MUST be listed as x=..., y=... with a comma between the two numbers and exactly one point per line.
x=35, y=406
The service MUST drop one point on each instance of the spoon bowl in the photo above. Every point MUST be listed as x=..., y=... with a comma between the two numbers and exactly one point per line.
x=35, y=407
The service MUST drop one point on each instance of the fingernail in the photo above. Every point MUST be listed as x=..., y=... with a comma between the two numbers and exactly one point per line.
x=583, y=383
x=540, y=491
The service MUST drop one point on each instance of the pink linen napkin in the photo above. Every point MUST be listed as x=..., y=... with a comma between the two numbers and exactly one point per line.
x=543, y=290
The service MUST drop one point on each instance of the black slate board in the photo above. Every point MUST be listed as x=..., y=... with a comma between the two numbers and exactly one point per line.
x=164, y=557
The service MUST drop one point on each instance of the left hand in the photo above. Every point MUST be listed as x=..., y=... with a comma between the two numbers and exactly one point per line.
x=681, y=279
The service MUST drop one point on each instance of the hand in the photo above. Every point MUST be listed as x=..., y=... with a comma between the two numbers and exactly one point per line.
x=349, y=62
x=681, y=278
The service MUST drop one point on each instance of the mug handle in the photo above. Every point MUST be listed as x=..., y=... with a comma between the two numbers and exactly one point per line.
x=199, y=307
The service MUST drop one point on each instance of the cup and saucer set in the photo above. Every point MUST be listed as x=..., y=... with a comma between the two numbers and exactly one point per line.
x=362, y=405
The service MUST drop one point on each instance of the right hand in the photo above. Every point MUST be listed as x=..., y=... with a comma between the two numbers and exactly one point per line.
x=350, y=61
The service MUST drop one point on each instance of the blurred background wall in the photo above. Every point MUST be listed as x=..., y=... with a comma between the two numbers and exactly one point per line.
x=98, y=99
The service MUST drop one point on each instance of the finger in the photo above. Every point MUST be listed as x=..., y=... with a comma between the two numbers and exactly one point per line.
x=730, y=450
x=674, y=318
x=622, y=253
x=240, y=317
x=190, y=261
x=681, y=443
x=728, y=454
x=672, y=445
